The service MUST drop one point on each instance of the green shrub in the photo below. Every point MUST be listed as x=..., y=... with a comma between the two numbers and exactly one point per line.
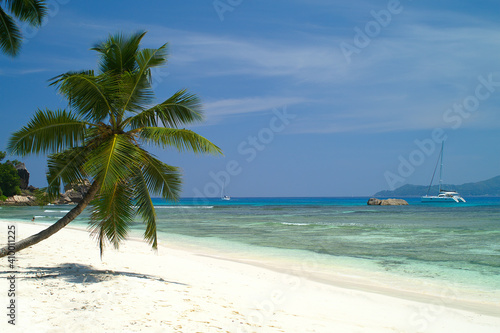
x=9, y=180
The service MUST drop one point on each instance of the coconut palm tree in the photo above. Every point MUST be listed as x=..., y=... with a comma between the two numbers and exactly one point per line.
x=103, y=137
x=30, y=11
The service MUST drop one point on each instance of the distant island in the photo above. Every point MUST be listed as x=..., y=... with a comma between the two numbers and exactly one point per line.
x=490, y=187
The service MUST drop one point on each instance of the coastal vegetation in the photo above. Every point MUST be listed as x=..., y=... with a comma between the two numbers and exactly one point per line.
x=31, y=12
x=9, y=179
x=102, y=137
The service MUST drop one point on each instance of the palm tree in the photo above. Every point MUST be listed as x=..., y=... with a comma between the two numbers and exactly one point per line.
x=30, y=11
x=102, y=138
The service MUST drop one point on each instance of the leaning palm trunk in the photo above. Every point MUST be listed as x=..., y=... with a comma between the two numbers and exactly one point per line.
x=64, y=221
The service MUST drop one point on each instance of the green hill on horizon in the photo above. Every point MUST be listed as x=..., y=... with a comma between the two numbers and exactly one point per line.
x=489, y=187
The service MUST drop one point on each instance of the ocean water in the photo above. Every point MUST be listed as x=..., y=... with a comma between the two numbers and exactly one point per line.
x=456, y=245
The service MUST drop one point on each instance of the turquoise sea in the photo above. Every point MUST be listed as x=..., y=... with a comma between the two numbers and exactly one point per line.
x=456, y=245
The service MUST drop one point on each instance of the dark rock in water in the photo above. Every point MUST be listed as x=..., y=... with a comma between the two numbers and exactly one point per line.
x=387, y=202
x=24, y=175
x=374, y=202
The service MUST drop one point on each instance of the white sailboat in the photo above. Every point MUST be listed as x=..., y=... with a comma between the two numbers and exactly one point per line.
x=222, y=195
x=443, y=195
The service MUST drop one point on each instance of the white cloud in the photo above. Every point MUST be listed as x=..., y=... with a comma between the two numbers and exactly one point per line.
x=215, y=111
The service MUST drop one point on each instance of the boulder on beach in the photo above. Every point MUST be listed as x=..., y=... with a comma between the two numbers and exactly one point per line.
x=20, y=200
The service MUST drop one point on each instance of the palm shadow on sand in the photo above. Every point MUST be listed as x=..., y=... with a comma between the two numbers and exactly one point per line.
x=77, y=273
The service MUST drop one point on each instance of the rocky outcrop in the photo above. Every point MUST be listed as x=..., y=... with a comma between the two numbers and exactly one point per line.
x=387, y=202
x=20, y=200
x=74, y=193
x=24, y=175
x=394, y=202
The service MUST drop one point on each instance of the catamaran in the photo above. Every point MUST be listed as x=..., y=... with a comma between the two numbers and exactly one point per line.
x=443, y=195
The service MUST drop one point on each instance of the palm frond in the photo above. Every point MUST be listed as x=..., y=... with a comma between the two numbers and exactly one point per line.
x=139, y=87
x=31, y=11
x=145, y=208
x=180, y=109
x=118, y=53
x=182, y=139
x=160, y=178
x=113, y=161
x=112, y=214
x=92, y=96
x=10, y=35
x=136, y=93
x=48, y=132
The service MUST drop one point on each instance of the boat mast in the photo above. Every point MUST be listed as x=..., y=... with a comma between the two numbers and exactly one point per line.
x=441, y=168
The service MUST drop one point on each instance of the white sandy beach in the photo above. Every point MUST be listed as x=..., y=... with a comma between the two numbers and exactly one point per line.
x=63, y=286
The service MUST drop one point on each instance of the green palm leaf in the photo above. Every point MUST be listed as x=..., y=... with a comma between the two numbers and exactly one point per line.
x=10, y=35
x=180, y=109
x=31, y=11
x=160, y=178
x=92, y=96
x=140, y=92
x=112, y=214
x=113, y=161
x=182, y=139
x=145, y=208
x=48, y=132
x=118, y=53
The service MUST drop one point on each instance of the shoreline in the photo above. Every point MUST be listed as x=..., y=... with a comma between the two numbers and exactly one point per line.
x=210, y=293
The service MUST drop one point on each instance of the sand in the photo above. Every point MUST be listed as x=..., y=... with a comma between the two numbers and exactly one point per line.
x=62, y=285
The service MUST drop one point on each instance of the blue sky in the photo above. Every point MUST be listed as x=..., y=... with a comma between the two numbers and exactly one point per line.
x=306, y=98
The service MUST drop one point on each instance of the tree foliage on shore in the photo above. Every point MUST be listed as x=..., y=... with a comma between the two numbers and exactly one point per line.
x=29, y=11
x=9, y=178
x=102, y=137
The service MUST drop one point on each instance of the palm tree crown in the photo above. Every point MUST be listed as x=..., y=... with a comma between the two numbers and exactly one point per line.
x=102, y=137
x=30, y=11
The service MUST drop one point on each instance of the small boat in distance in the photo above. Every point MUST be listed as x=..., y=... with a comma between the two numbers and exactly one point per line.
x=443, y=195
x=223, y=196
